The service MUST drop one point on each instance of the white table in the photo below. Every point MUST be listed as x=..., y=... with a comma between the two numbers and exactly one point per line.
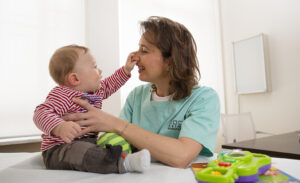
x=28, y=167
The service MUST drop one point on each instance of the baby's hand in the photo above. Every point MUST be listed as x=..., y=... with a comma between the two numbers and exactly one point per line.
x=131, y=61
x=67, y=131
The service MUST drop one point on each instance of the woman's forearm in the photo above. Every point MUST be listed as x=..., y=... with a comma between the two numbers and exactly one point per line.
x=173, y=152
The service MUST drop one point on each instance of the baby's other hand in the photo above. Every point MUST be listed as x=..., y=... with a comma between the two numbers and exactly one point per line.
x=67, y=131
x=131, y=61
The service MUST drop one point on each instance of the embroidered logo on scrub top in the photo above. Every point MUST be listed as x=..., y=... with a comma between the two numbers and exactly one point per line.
x=175, y=125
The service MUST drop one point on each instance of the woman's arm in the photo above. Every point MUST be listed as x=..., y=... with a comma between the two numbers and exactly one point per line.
x=174, y=152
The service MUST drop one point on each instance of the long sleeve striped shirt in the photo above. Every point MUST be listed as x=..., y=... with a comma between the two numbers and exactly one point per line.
x=59, y=102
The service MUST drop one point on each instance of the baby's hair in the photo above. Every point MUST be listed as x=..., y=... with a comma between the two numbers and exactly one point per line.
x=63, y=61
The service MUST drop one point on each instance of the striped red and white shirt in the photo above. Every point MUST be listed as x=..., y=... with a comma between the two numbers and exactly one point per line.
x=59, y=102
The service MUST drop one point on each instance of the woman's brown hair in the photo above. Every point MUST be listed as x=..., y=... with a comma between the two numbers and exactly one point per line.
x=177, y=45
x=63, y=61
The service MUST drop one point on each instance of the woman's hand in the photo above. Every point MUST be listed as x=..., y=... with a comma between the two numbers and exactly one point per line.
x=95, y=120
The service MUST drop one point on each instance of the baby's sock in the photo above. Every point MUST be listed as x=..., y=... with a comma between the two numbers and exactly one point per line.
x=137, y=162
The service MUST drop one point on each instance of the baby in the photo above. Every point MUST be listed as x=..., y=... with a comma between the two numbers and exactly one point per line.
x=74, y=69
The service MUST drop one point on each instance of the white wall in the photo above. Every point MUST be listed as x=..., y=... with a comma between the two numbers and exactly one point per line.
x=102, y=35
x=279, y=110
x=30, y=32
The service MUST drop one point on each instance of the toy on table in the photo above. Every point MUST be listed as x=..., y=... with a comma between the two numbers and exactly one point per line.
x=235, y=166
x=113, y=139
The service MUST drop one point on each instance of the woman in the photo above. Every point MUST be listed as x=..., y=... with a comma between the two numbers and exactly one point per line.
x=172, y=117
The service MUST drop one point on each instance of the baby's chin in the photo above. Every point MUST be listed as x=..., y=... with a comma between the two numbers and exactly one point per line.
x=94, y=90
x=98, y=88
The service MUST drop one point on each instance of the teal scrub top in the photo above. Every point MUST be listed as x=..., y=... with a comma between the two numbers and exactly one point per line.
x=196, y=117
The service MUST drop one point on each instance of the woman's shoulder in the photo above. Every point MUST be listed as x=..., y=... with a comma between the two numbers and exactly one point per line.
x=139, y=94
x=142, y=88
x=204, y=92
x=204, y=96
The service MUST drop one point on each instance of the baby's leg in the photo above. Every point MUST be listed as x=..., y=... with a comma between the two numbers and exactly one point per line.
x=136, y=162
x=85, y=156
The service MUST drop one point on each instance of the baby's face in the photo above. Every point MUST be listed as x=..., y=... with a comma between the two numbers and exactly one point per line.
x=88, y=73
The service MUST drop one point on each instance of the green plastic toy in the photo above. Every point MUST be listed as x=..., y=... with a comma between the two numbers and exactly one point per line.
x=114, y=139
x=235, y=166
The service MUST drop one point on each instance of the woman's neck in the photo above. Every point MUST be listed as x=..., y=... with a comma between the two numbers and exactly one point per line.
x=162, y=89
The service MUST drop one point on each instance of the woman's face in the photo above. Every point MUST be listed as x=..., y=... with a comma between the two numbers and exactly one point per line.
x=151, y=65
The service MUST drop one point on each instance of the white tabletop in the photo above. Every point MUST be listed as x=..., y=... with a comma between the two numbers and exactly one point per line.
x=28, y=167
x=289, y=166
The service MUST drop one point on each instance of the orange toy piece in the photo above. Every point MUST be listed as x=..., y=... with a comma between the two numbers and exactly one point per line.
x=215, y=173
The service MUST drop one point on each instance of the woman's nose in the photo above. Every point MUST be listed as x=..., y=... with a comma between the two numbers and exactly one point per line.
x=137, y=52
x=99, y=71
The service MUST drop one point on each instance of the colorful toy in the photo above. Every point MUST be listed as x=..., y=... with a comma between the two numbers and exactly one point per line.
x=235, y=166
x=113, y=139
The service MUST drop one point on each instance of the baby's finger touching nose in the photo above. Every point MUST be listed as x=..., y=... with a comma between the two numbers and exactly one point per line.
x=135, y=58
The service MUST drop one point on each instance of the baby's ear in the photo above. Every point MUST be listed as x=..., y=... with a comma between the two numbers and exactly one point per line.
x=73, y=79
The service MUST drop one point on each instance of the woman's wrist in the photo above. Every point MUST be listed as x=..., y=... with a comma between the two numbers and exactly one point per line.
x=120, y=129
x=123, y=130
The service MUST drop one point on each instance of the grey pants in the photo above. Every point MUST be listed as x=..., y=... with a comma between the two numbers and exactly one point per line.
x=85, y=155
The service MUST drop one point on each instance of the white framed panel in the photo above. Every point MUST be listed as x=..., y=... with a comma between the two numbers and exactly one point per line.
x=250, y=65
